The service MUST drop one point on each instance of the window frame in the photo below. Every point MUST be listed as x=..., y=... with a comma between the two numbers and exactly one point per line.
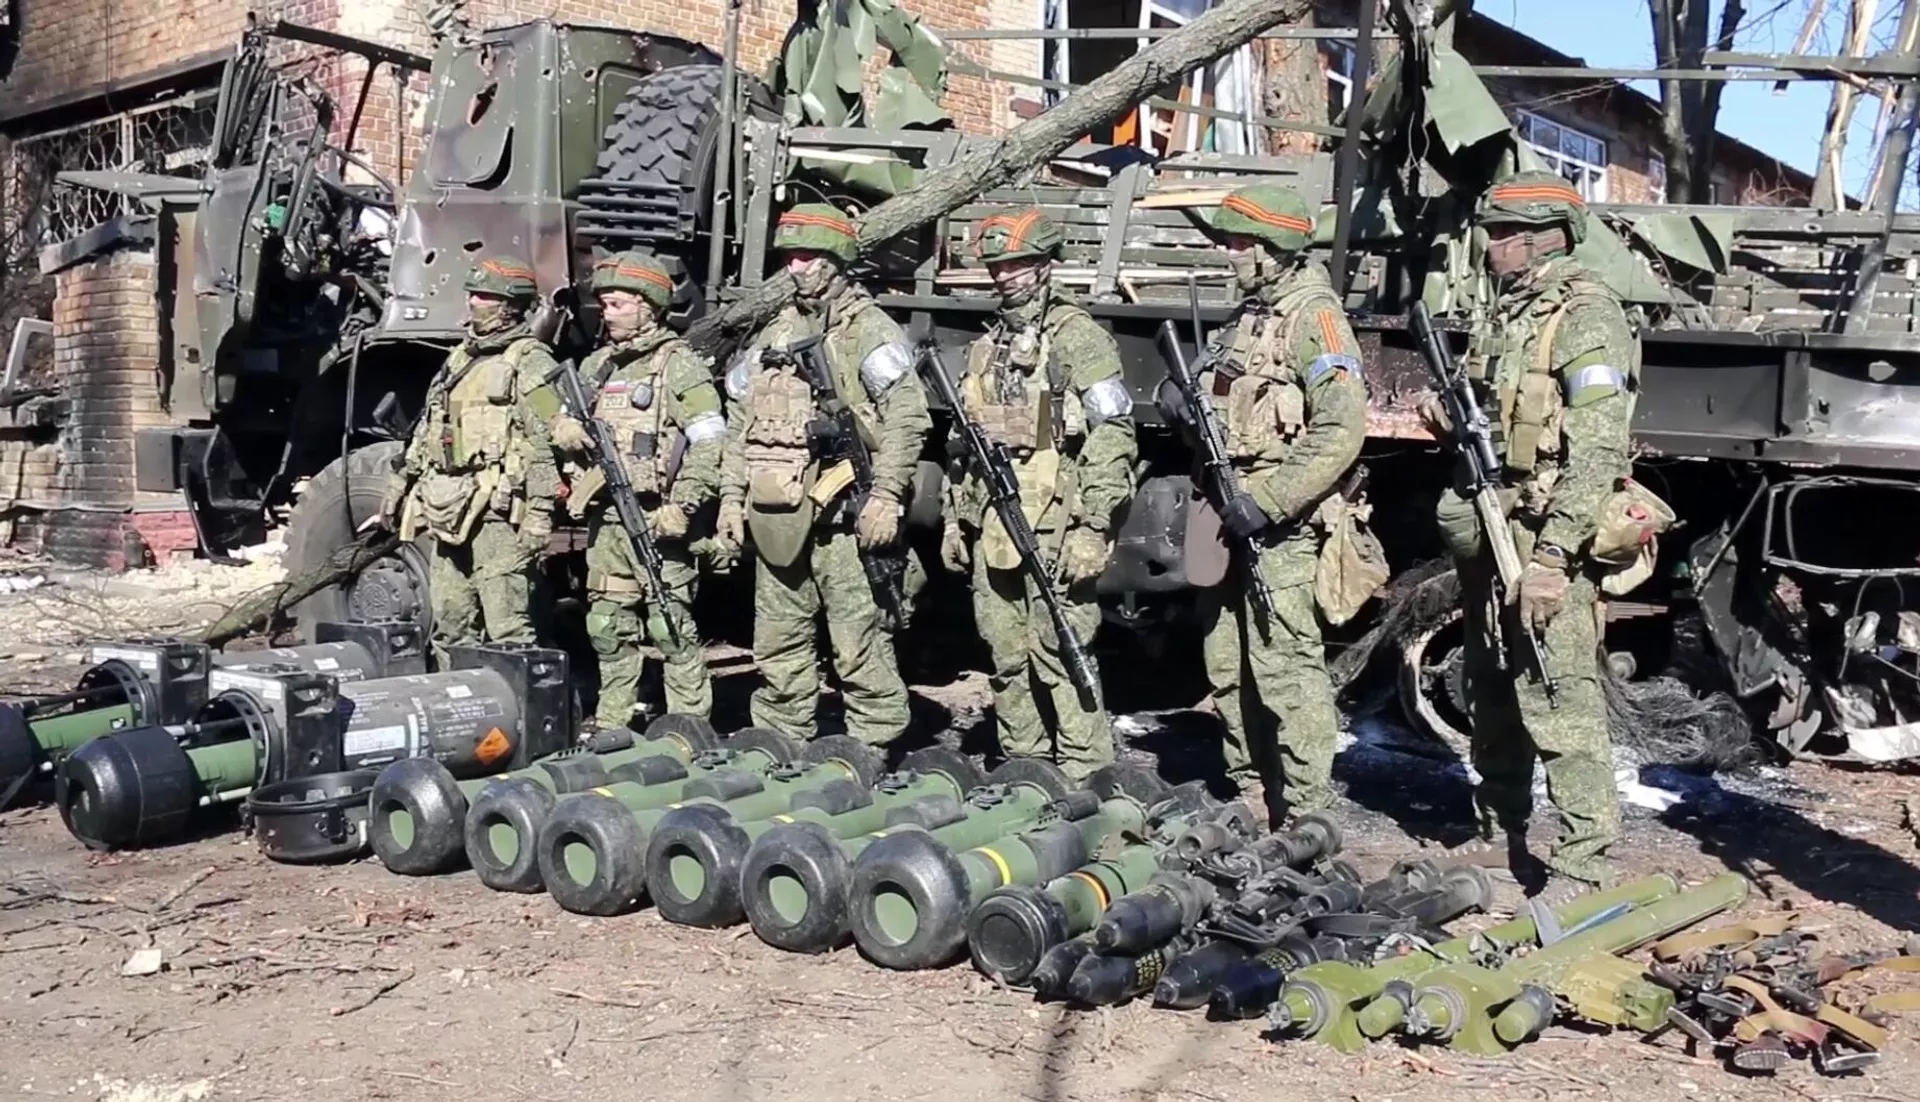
x=1594, y=187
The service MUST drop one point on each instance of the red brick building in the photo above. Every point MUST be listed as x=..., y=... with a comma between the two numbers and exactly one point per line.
x=131, y=84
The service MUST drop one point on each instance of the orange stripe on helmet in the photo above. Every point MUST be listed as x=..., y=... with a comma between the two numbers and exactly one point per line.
x=645, y=275
x=801, y=218
x=1537, y=191
x=1016, y=229
x=507, y=271
x=1240, y=204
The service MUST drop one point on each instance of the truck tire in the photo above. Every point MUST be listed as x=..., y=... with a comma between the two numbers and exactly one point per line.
x=394, y=588
x=664, y=132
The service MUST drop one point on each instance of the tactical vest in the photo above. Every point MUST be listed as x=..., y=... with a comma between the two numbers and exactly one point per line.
x=1529, y=393
x=1262, y=406
x=633, y=407
x=469, y=427
x=1017, y=390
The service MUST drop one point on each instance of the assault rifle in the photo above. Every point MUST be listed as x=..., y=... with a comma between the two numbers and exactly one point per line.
x=840, y=439
x=990, y=459
x=1222, y=484
x=613, y=467
x=1473, y=440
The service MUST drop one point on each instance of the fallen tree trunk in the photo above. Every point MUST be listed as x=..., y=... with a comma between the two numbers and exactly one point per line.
x=1108, y=97
x=259, y=609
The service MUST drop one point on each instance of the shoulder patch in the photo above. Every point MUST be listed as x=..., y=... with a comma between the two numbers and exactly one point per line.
x=1333, y=333
x=1325, y=365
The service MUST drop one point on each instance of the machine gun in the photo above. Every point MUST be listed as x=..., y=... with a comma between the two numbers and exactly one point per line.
x=1473, y=440
x=995, y=467
x=619, y=488
x=837, y=438
x=1222, y=484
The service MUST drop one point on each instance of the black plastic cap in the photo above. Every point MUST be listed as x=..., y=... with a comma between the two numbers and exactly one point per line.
x=774, y=746
x=1245, y=992
x=909, y=902
x=415, y=818
x=1191, y=979
x=795, y=885
x=1012, y=929
x=1103, y=981
x=722, y=785
x=866, y=762
x=501, y=830
x=693, y=866
x=19, y=754
x=575, y=773
x=694, y=731
x=1034, y=773
x=943, y=761
x=655, y=770
x=1050, y=977
x=312, y=820
x=836, y=797
x=592, y=856
x=131, y=788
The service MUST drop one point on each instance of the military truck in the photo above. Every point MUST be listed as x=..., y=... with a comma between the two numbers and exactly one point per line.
x=1780, y=410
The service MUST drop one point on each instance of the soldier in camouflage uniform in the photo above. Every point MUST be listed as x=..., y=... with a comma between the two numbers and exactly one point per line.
x=1045, y=382
x=808, y=529
x=1287, y=388
x=478, y=475
x=658, y=400
x=1559, y=358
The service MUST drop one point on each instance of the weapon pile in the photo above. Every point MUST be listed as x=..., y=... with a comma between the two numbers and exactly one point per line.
x=1117, y=889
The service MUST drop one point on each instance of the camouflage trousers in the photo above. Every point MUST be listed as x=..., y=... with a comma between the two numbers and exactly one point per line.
x=481, y=588
x=1513, y=724
x=1263, y=673
x=623, y=613
x=787, y=600
x=1027, y=666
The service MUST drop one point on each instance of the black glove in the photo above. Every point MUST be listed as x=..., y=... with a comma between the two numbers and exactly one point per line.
x=1243, y=516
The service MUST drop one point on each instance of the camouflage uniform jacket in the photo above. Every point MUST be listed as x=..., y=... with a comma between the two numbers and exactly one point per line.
x=1046, y=382
x=657, y=397
x=1289, y=393
x=1563, y=361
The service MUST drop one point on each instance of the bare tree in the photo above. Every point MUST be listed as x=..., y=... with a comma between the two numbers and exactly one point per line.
x=1683, y=32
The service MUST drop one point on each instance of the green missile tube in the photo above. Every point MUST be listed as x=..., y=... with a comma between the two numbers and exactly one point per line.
x=1015, y=926
x=503, y=821
x=593, y=848
x=417, y=811
x=911, y=895
x=697, y=852
x=140, y=785
x=797, y=882
x=1458, y=1004
x=1341, y=1004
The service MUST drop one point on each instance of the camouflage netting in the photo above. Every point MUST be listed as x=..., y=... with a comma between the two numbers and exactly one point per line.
x=1663, y=719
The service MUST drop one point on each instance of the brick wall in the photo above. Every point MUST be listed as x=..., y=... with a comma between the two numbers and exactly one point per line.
x=69, y=46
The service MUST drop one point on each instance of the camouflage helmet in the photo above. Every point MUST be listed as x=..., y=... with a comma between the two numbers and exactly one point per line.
x=1017, y=234
x=816, y=227
x=638, y=272
x=506, y=276
x=1535, y=199
x=1268, y=212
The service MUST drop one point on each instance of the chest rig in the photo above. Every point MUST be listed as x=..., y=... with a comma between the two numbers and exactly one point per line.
x=1513, y=357
x=1016, y=388
x=631, y=400
x=470, y=419
x=1257, y=389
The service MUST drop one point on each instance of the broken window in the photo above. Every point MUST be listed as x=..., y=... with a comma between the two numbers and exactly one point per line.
x=1578, y=156
x=1337, y=58
x=1225, y=86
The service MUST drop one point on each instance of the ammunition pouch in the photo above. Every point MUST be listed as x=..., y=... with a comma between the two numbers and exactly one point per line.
x=1626, y=534
x=776, y=476
x=1039, y=476
x=1352, y=567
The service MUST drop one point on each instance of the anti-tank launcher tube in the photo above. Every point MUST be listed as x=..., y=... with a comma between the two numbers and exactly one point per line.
x=797, y=882
x=498, y=706
x=1014, y=927
x=593, y=848
x=417, y=810
x=1487, y=1011
x=148, y=682
x=501, y=833
x=696, y=855
x=912, y=895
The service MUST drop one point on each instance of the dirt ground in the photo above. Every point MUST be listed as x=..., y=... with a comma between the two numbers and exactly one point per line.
x=350, y=983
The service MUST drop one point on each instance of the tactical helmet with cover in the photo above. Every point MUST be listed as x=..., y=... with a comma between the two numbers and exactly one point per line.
x=637, y=272
x=1271, y=213
x=1539, y=199
x=508, y=277
x=816, y=227
x=1018, y=234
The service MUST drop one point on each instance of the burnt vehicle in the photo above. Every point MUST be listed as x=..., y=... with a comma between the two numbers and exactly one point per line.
x=1779, y=411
